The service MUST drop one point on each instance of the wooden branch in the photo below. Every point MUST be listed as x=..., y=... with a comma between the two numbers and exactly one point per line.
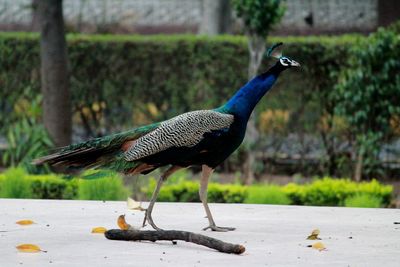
x=133, y=235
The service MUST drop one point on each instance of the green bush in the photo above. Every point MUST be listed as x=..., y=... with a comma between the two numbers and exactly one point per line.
x=333, y=192
x=365, y=94
x=174, y=73
x=109, y=188
x=188, y=191
x=363, y=201
x=266, y=194
x=15, y=184
x=52, y=186
x=321, y=192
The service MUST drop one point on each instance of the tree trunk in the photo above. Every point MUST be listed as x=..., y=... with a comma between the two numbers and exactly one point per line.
x=217, y=17
x=54, y=72
x=35, y=24
x=359, y=166
x=256, y=49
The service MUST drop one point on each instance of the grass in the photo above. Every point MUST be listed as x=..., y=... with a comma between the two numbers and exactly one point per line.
x=266, y=194
x=363, y=201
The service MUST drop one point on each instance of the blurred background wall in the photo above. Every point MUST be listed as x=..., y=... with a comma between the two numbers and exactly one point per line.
x=302, y=17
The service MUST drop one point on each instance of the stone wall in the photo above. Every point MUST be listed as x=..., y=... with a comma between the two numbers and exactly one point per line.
x=302, y=16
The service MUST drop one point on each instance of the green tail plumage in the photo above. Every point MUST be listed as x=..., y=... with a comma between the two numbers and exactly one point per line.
x=102, y=152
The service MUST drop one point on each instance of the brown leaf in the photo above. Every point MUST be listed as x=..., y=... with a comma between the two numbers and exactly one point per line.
x=29, y=248
x=25, y=222
x=134, y=205
x=99, y=230
x=122, y=223
x=319, y=246
x=314, y=235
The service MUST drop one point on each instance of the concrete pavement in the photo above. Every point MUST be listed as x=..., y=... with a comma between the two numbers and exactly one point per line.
x=272, y=235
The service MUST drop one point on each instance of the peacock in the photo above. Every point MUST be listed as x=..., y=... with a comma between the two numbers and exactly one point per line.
x=198, y=138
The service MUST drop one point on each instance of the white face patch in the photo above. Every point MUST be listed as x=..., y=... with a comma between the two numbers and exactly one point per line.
x=284, y=61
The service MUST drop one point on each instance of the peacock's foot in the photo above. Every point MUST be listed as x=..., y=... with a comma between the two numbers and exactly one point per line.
x=149, y=219
x=219, y=228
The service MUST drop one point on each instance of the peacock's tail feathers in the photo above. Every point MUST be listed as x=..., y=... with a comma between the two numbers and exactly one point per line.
x=103, y=152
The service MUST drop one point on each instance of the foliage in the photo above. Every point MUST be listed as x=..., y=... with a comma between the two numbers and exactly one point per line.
x=259, y=16
x=109, y=188
x=51, y=186
x=368, y=93
x=188, y=191
x=333, y=192
x=161, y=76
x=158, y=76
x=363, y=201
x=26, y=138
x=14, y=184
x=266, y=194
x=321, y=192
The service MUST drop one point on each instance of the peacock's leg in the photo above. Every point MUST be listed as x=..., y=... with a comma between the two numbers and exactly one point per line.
x=205, y=175
x=164, y=176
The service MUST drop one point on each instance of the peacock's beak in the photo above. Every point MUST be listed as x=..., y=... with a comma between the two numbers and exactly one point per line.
x=295, y=64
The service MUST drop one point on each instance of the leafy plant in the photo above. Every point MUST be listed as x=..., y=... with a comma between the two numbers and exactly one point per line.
x=363, y=201
x=26, y=138
x=14, y=184
x=109, y=188
x=259, y=16
x=367, y=95
x=266, y=194
x=334, y=192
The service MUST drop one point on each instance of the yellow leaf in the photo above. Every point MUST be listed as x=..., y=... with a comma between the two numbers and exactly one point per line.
x=25, y=222
x=134, y=205
x=122, y=223
x=30, y=248
x=319, y=246
x=99, y=230
x=314, y=235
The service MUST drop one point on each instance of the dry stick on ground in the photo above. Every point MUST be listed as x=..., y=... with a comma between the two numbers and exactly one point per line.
x=136, y=235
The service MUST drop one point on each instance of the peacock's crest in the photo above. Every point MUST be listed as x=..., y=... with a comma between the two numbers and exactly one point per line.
x=273, y=52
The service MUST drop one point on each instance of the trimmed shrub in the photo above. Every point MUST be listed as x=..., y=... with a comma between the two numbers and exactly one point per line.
x=363, y=201
x=333, y=192
x=117, y=79
x=52, y=187
x=266, y=194
x=188, y=191
x=15, y=184
x=109, y=188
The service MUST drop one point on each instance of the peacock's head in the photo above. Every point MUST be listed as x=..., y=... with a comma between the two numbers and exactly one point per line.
x=282, y=60
x=287, y=62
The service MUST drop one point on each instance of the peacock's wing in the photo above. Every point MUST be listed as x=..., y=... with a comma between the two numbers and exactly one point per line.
x=185, y=130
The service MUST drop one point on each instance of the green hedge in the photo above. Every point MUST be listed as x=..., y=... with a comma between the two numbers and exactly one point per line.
x=118, y=76
x=321, y=192
x=334, y=192
x=15, y=183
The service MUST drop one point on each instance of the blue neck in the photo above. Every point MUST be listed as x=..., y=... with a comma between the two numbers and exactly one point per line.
x=244, y=101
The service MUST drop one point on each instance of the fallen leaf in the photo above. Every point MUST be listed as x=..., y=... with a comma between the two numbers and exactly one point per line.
x=99, y=230
x=314, y=235
x=319, y=246
x=134, y=205
x=122, y=223
x=29, y=248
x=25, y=222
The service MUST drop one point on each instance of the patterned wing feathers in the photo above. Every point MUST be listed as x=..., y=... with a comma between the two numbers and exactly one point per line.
x=185, y=130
